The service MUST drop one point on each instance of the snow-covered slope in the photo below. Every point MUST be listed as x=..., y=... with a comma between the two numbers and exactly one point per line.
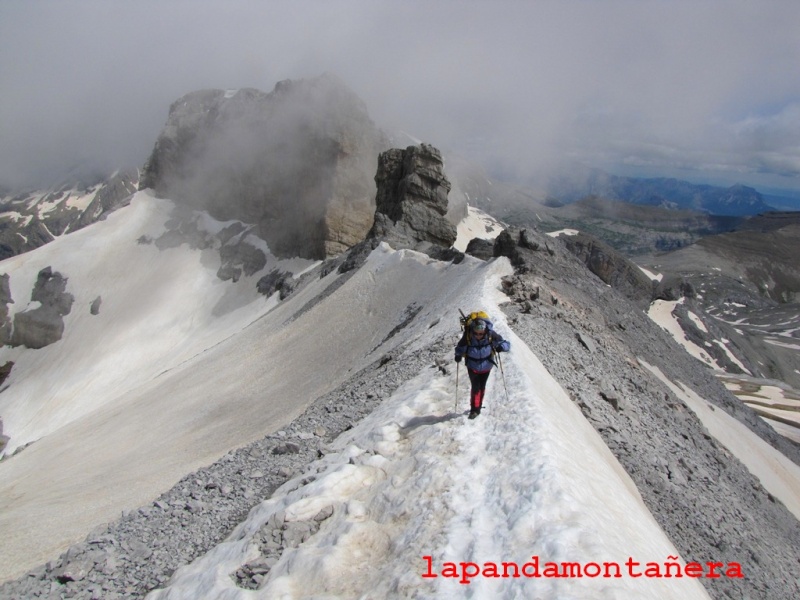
x=415, y=488
x=477, y=224
x=177, y=369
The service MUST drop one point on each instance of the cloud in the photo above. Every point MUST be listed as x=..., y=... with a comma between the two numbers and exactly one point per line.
x=692, y=85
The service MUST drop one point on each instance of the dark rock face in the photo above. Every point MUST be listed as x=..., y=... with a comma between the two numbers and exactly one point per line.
x=239, y=258
x=276, y=281
x=673, y=287
x=611, y=267
x=44, y=325
x=521, y=246
x=480, y=248
x=5, y=300
x=411, y=202
x=298, y=163
x=113, y=194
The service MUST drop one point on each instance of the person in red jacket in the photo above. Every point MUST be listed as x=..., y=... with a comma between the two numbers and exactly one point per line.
x=478, y=346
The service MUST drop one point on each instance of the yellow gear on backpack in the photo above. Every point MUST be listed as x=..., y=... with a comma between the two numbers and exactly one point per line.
x=466, y=320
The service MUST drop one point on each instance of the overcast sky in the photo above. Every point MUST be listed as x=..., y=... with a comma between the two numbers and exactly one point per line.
x=704, y=90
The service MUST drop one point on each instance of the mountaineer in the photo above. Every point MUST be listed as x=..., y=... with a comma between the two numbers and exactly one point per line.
x=478, y=346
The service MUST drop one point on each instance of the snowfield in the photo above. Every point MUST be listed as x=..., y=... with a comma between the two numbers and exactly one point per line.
x=529, y=478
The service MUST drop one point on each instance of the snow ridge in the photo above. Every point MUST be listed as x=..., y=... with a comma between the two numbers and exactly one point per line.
x=530, y=477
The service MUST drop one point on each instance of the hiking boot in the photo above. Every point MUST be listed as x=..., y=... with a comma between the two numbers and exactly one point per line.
x=474, y=413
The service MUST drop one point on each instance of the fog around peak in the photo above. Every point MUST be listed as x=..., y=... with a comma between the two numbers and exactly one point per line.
x=706, y=91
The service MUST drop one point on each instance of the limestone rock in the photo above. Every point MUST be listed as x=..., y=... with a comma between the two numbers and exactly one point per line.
x=38, y=327
x=276, y=281
x=611, y=267
x=298, y=163
x=94, y=308
x=480, y=248
x=411, y=201
x=5, y=300
x=239, y=258
x=521, y=247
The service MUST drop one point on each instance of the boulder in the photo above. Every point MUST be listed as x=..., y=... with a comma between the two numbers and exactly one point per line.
x=43, y=325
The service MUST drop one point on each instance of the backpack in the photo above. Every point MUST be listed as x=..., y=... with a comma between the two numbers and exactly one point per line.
x=467, y=320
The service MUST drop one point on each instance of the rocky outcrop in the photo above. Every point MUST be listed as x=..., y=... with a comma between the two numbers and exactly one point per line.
x=298, y=163
x=240, y=258
x=612, y=267
x=277, y=281
x=673, y=287
x=5, y=300
x=114, y=193
x=4, y=439
x=411, y=201
x=41, y=326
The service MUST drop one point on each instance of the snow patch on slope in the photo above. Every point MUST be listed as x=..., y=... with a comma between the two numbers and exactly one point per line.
x=159, y=308
x=779, y=475
x=477, y=224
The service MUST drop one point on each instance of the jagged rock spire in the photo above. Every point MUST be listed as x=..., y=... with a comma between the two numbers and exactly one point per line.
x=411, y=201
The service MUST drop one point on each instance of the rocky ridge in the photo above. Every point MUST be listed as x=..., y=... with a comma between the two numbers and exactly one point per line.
x=595, y=343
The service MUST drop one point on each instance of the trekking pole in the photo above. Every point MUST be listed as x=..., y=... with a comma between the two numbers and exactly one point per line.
x=456, y=408
x=500, y=362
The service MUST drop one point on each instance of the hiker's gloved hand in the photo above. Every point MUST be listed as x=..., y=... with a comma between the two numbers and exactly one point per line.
x=458, y=359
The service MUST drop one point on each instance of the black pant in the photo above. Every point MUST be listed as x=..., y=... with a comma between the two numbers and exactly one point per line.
x=478, y=381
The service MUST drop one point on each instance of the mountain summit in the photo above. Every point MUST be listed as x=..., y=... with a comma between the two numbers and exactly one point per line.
x=298, y=162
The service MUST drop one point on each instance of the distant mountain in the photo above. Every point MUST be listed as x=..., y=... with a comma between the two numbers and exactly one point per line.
x=635, y=229
x=737, y=200
x=782, y=201
x=33, y=218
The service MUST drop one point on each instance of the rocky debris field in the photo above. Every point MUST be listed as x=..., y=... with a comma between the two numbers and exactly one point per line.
x=592, y=340
x=141, y=550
